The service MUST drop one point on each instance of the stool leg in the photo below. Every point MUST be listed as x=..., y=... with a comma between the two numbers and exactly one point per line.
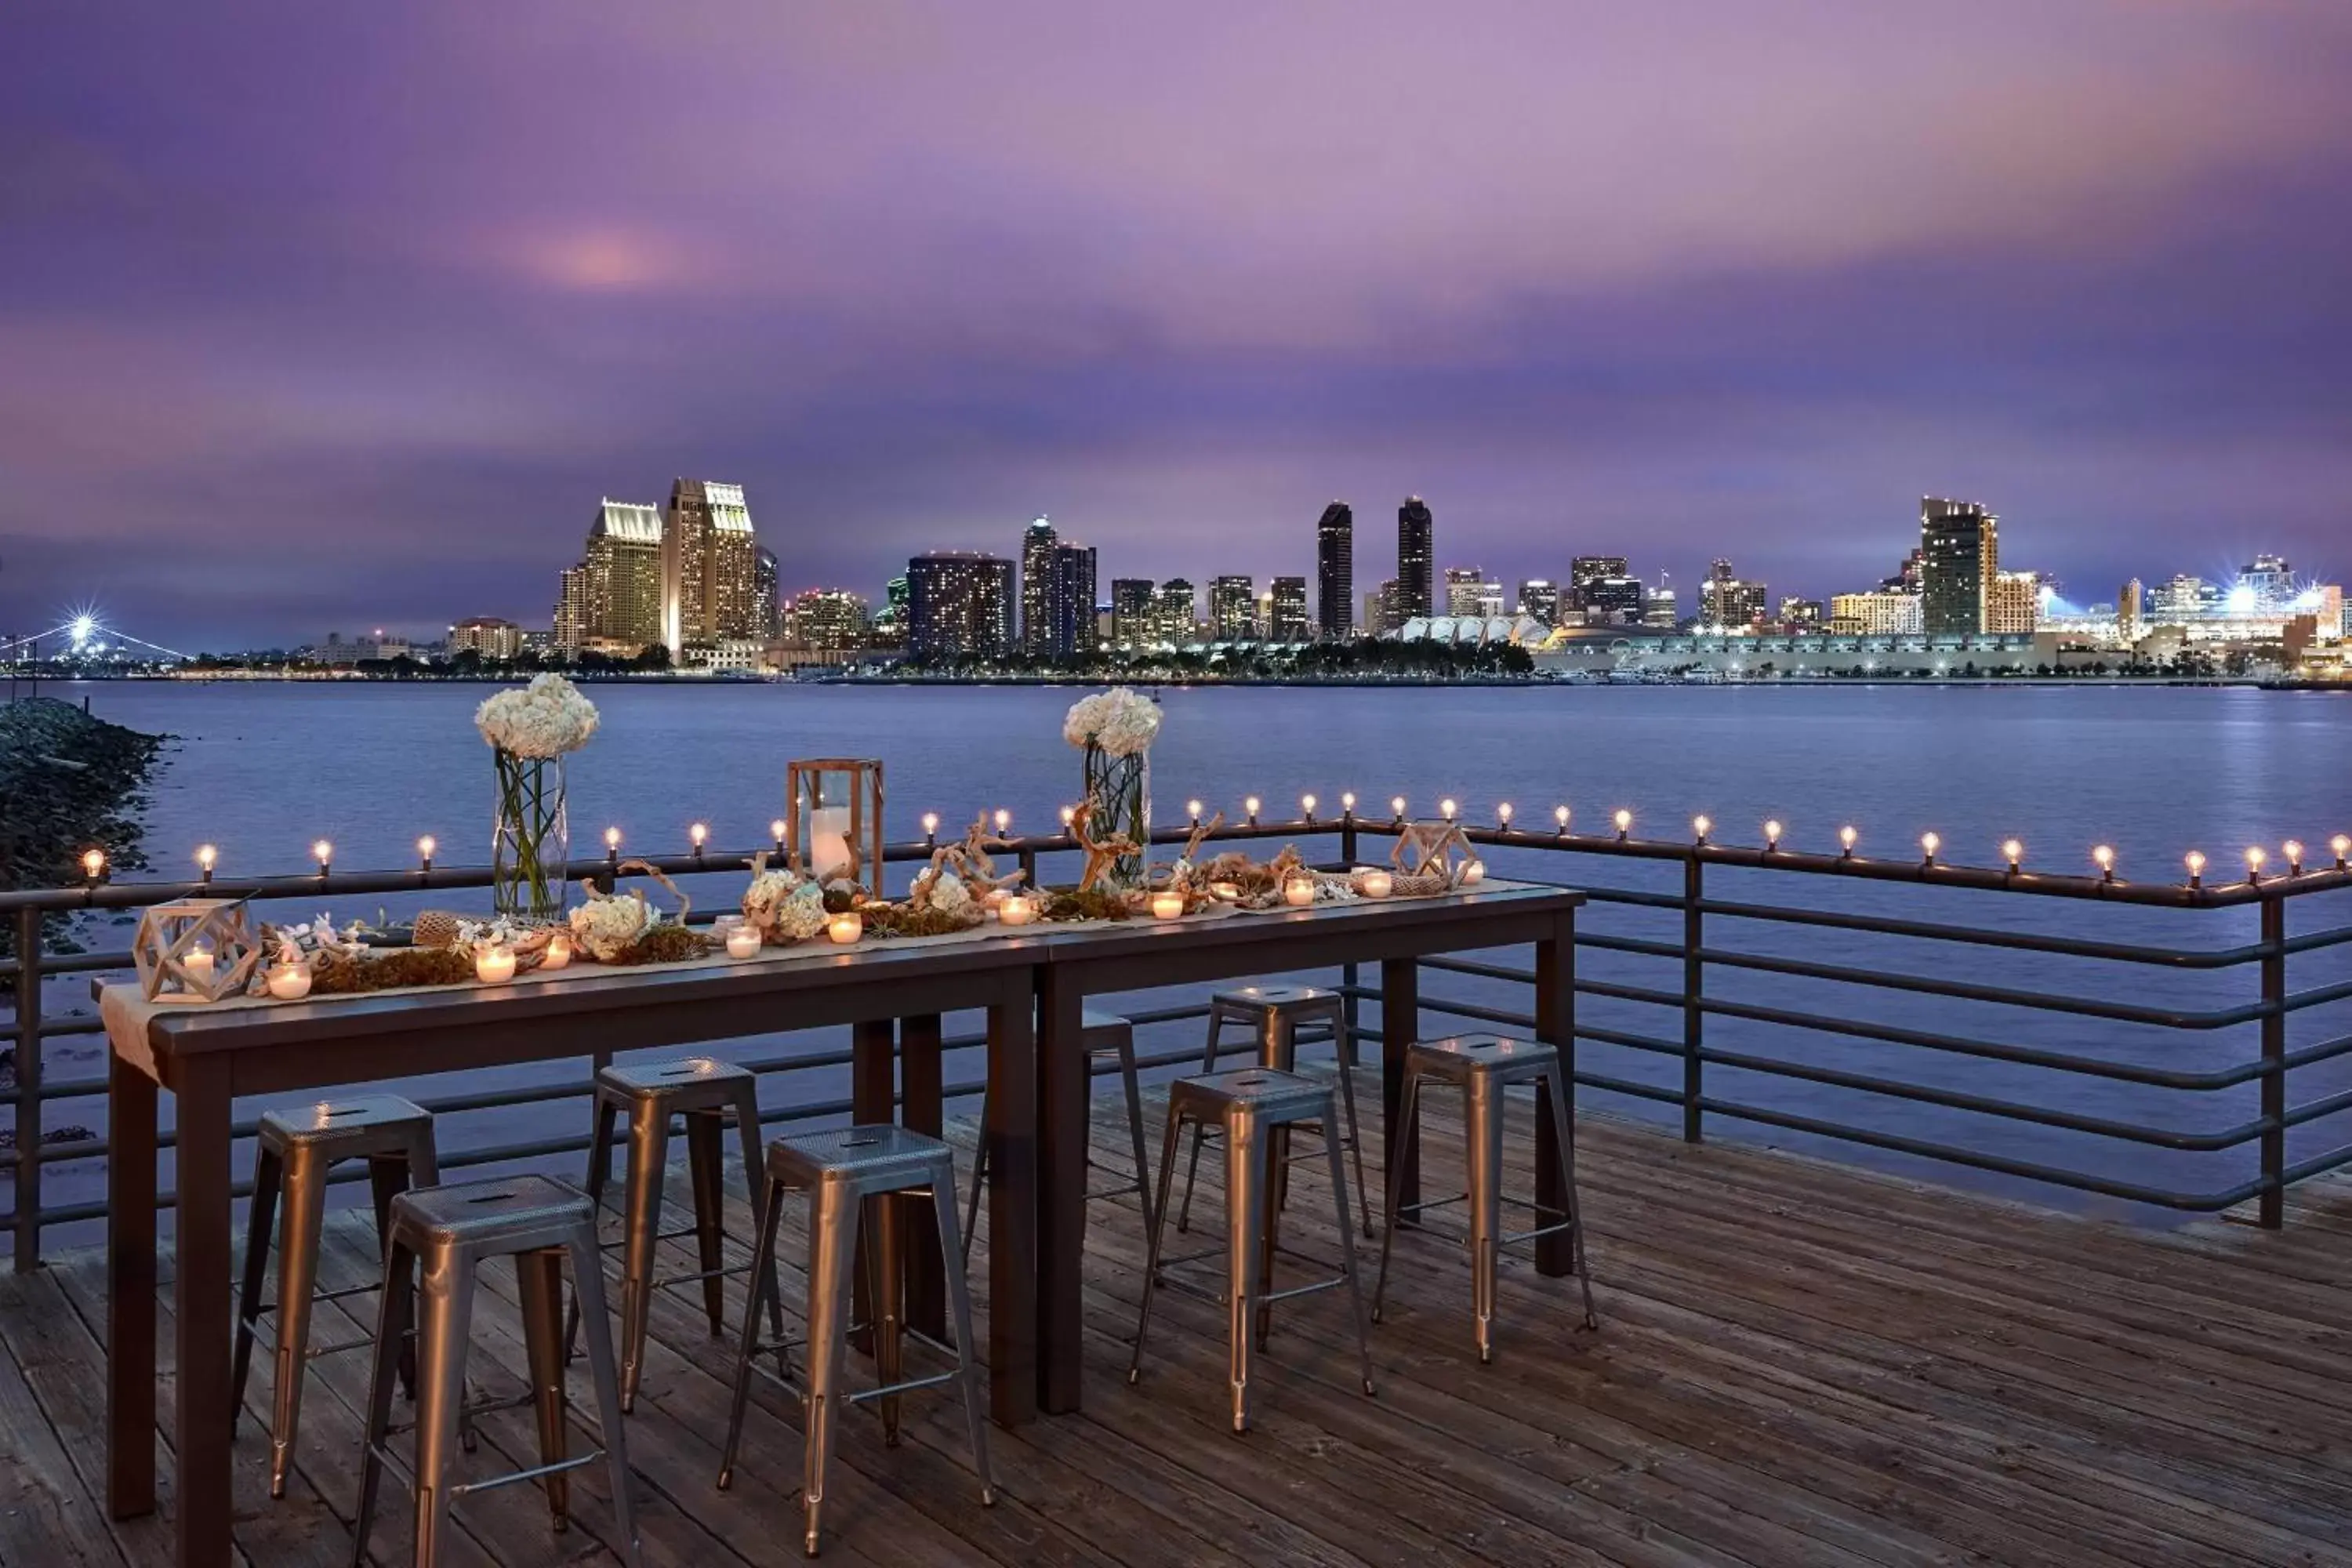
x=261, y=1218
x=1246, y=1194
x=600, y=1176
x=387, y=1179
x=588, y=1279
x=1342, y=1041
x=887, y=1251
x=1485, y=1130
x=1561, y=1135
x=1406, y=1108
x=979, y=1180
x=706, y=1173
x=833, y=1252
x=1348, y=1254
x=1154, y=1232
x=764, y=1282
x=648, y=1158
x=967, y=1357
x=1269, y=1235
x=747, y=1129
x=539, y=1280
x=395, y=1309
x=1135, y=1124
x=305, y=1202
x=444, y=1326
x=1200, y=1128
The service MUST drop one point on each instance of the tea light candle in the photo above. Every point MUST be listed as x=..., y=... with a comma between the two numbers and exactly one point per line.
x=289, y=981
x=1473, y=873
x=845, y=927
x=1231, y=892
x=1167, y=906
x=1378, y=884
x=557, y=953
x=198, y=961
x=1298, y=892
x=495, y=965
x=743, y=940
x=1016, y=910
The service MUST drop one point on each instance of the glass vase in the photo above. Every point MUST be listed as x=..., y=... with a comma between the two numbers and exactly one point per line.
x=1121, y=790
x=533, y=845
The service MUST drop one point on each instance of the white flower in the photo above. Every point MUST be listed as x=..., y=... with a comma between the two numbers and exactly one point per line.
x=1121, y=721
x=546, y=718
x=801, y=915
x=603, y=927
x=948, y=894
x=767, y=892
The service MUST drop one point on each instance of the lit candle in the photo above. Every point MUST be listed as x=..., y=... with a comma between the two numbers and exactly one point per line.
x=1347, y=803
x=1772, y=834
x=324, y=853
x=828, y=846
x=1396, y=804
x=930, y=827
x=289, y=981
x=1928, y=844
x=1069, y=816
x=1298, y=892
x=743, y=940
x=1846, y=836
x=1624, y=822
x=2294, y=847
x=613, y=842
x=1167, y=906
x=494, y=965
x=1377, y=884
x=2195, y=861
x=1473, y=873
x=1445, y=809
x=1195, y=808
x=2342, y=845
x=1699, y=828
x=1003, y=820
x=2255, y=855
x=207, y=859
x=699, y=835
x=776, y=832
x=1307, y=806
x=1016, y=910
x=845, y=927
x=198, y=961
x=93, y=863
x=424, y=847
x=2013, y=851
x=557, y=953
x=1502, y=816
x=1559, y=815
x=1250, y=805
x=2106, y=858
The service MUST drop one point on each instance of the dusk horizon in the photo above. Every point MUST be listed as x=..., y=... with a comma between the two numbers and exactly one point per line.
x=325, y=323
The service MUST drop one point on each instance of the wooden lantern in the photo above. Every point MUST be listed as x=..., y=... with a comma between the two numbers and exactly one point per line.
x=195, y=951
x=833, y=819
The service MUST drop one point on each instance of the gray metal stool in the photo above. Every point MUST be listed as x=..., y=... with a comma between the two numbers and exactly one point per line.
x=297, y=1146
x=1256, y=1108
x=450, y=1232
x=706, y=1092
x=1484, y=1066
x=1281, y=1018
x=1104, y=1034
x=841, y=1170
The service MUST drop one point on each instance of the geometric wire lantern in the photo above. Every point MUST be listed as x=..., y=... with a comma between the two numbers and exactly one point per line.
x=833, y=819
x=194, y=950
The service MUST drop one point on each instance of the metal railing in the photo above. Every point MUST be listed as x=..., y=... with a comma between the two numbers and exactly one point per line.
x=1686, y=997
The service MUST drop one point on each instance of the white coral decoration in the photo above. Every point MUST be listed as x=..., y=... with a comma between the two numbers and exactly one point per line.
x=606, y=926
x=801, y=915
x=950, y=896
x=321, y=937
x=546, y=718
x=1121, y=721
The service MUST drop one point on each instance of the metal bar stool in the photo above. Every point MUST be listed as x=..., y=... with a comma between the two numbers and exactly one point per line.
x=1256, y=1108
x=1104, y=1034
x=449, y=1232
x=705, y=1093
x=1283, y=1018
x=841, y=1170
x=296, y=1148
x=1484, y=1066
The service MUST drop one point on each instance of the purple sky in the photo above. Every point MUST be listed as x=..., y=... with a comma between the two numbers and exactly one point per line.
x=327, y=317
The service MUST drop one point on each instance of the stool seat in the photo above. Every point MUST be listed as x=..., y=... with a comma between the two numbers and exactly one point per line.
x=882, y=1153
x=1262, y=998
x=1458, y=1058
x=696, y=1079
x=505, y=1216
x=346, y=1126
x=1263, y=1091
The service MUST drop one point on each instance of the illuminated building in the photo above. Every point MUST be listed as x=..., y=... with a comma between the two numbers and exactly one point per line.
x=1880, y=614
x=1038, y=589
x=959, y=605
x=831, y=620
x=1416, y=548
x=1960, y=546
x=709, y=570
x=1287, y=620
x=1130, y=610
x=1173, y=611
x=613, y=599
x=767, y=613
x=1540, y=598
x=1592, y=569
x=1802, y=614
x=1463, y=585
x=1657, y=605
x=2129, y=611
x=1233, y=617
x=1728, y=600
x=1335, y=570
x=571, y=622
x=2013, y=603
x=486, y=635
x=1070, y=602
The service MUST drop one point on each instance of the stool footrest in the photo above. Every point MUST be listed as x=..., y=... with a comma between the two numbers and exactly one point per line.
x=465, y=1489
x=860, y=1395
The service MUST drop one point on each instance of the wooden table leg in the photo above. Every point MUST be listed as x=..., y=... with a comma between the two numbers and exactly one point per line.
x=1012, y=1132
x=922, y=1087
x=131, y=1291
x=1400, y=1026
x=200, y=1298
x=873, y=1098
x=1066, y=1104
x=1556, y=1024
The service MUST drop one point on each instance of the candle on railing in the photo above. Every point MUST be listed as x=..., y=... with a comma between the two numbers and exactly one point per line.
x=1250, y=805
x=1376, y=884
x=1503, y=816
x=1846, y=838
x=1347, y=803
x=494, y=965
x=2255, y=855
x=2294, y=849
x=930, y=827
x=1307, y=806
x=1624, y=822
x=1771, y=834
x=1069, y=819
x=288, y=982
x=207, y=859
x=198, y=961
x=93, y=866
x=1016, y=910
x=845, y=927
x=1560, y=815
x=2012, y=851
x=557, y=953
x=1298, y=892
x=1396, y=804
x=324, y=853
x=1700, y=826
x=1445, y=808
x=2342, y=845
x=1003, y=822
x=612, y=844
x=424, y=847
x=2104, y=857
x=1193, y=806
x=698, y=835
x=742, y=940
x=1167, y=906
x=2195, y=861
x=1928, y=844
x=776, y=832
x=1473, y=873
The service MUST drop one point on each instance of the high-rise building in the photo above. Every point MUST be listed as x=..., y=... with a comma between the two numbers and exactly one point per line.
x=1876, y=615
x=1288, y=620
x=1805, y=613
x=1038, y=589
x=889, y=628
x=1659, y=611
x=1960, y=556
x=571, y=622
x=1374, y=622
x=710, y=570
x=2013, y=603
x=1175, y=612
x=830, y=620
x=767, y=612
x=1725, y=600
x=617, y=594
x=1906, y=579
x=1540, y=598
x=2130, y=611
x=1131, y=616
x=1232, y=613
x=1587, y=568
x=1416, y=550
x=1070, y=602
x=959, y=605
x=1462, y=586
x=486, y=635
x=2266, y=584
x=1335, y=570
x=1611, y=601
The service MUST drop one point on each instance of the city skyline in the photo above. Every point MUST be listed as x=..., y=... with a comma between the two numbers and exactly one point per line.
x=334, y=347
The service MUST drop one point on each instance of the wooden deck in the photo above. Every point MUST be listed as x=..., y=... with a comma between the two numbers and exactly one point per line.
x=1799, y=1364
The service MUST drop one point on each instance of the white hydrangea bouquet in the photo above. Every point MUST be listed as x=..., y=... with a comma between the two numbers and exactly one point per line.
x=1115, y=730
x=531, y=730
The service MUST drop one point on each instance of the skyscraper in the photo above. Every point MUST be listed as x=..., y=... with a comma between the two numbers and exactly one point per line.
x=613, y=597
x=1960, y=556
x=1416, y=544
x=767, y=615
x=1728, y=600
x=2129, y=610
x=1389, y=616
x=830, y=620
x=1613, y=601
x=1131, y=619
x=1335, y=570
x=1038, y=589
x=1232, y=616
x=1288, y=622
x=1070, y=601
x=571, y=622
x=1462, y=586
x=1540, y=598
x=959, y=605
x=710, y=569
x=2013, y=603
x=1589, y=568
x=1173, y=610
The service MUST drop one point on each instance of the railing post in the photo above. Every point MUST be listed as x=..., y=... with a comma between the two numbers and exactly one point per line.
x=2274, y=1146
x=1693, y=978
x=28, y=1242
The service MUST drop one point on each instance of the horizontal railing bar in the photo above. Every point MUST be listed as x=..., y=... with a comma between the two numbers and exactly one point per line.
x=2318, y=1166
x=1998, y=996
x=2024, y=941
x=2318, y=1109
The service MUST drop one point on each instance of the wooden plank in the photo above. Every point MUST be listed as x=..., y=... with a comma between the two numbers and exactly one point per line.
x=46, y=1515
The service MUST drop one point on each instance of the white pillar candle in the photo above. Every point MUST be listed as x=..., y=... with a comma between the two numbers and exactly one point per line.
x=494, y=965
x=828, y=848
x=742, y=941
x=198, y=961
x=1298, y=892
x=1474, y=873
x=289, y=981
x=1016, y=911
x=558, y=950
x=1378, y=884
x=846, y=927
x=1167, y=906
